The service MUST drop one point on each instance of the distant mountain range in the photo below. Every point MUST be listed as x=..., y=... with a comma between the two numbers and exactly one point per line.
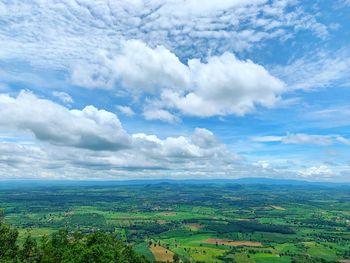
x=12, y=184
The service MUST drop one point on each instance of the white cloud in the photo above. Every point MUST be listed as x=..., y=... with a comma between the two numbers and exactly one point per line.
x=93, y=129
x=318, y=171
x=329, y=117
x=318, y=70
x=137, y=67
x=88, y=128
x=267, y=138
x=83, y=27
x=198, y=155
x=70, y=142
x=225, y=85
x=160, y=114
x=141, y=67
x=204, y=138
x=126, y=110
x=302, y=138
x=262, y=164
x=95, y=45
x=201, y=144
x=222, y=85
x=343, y=140
x=63, y=96
x=93, y=75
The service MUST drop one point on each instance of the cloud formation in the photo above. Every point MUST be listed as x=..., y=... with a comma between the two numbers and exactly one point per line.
x=182, y=62
x=330, y=117
x=88, y=128
x=317, y=70
x=224, y=85
x=137, y=67
x=221, y=85
x=63, y=97
x=188, y=28
x=50, y=141
x=319, y=171
x=126, y=110
x=302, y=138
x=95, y=139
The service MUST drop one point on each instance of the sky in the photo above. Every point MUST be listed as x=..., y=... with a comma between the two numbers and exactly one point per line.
x=176, y=89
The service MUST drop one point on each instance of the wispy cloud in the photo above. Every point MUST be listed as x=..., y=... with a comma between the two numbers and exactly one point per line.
x=319, y=70
x=126, y=110
x=330, y=117
x=302, y=138
x=63, y=96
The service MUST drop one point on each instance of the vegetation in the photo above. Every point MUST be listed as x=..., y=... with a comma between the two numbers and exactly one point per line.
x=176, y=222
x=62, y=247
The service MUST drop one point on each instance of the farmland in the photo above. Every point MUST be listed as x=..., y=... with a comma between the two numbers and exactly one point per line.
x=197, y=222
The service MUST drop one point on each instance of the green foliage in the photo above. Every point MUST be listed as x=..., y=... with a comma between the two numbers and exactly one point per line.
x=8, y=246
x=30, y=252
x=62, y=247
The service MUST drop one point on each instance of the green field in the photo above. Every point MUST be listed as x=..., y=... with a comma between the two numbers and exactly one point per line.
x=197, y=222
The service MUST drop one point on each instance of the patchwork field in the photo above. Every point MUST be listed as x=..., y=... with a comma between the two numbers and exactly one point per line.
x=232, y=243
x=195, y=222
x=161, y=254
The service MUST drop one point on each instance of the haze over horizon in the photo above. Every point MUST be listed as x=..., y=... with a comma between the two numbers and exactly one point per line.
x=176, y=89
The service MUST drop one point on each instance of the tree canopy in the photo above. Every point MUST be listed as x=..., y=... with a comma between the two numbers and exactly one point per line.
x=64, y=247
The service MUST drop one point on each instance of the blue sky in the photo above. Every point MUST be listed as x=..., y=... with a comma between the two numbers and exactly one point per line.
x=175, y=89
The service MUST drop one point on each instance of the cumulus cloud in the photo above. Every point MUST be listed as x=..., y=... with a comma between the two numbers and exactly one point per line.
x=197, y=155
x=224, y=85
x=201, y=144
x=92, y=139
x=154, y=158
x=92, y=129
x=136, y=67
x=88, y=128
x=221, y=85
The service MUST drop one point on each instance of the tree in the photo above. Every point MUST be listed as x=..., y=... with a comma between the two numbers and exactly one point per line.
x=8, y=239
x=30, y=252
x=63, y=247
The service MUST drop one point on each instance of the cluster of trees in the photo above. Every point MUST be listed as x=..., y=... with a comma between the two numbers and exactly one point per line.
x=62, y=247
x=249, y=226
